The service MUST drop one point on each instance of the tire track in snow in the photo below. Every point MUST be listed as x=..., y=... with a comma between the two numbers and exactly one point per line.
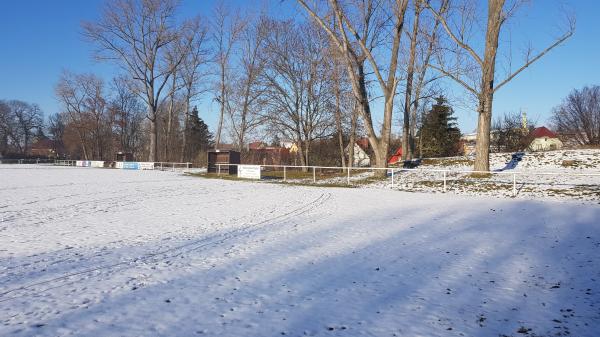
x=155, y=257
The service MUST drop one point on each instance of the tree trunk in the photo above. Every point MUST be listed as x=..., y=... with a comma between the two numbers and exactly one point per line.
x=301, y=154
x=83, y=146
x=482, y=147
x=352, y=140
x=383, y=145
x=168, y=155
x=338, y=122
x=406, y=134
x=484, y=122
x=152, y=155
x=185, y=132
x=220, y=127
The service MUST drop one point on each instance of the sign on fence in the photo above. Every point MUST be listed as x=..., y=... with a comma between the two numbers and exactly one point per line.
x=131, y=165
x=89, y=163
x=249, y=171
x=146, y=165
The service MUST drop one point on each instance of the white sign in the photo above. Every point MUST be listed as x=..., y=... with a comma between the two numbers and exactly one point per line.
x=146, y=165
x=96, y=163
x=249, y=171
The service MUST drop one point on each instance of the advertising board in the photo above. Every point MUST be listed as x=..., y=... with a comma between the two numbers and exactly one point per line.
x=249, y=171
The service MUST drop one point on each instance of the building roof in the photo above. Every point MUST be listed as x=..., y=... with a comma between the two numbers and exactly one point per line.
x=44, y=144
x=256, y=145
x=542, y=132
x=225, y=147
x=363, y=142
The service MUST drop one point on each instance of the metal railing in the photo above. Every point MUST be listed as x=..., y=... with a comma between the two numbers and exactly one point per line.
x=27, y=161
x=165, y=166
x=398, y=176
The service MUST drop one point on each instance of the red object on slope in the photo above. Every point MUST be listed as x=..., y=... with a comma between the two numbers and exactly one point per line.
x=396, y=157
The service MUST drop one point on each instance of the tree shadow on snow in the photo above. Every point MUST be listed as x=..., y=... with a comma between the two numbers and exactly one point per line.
x=519, y=268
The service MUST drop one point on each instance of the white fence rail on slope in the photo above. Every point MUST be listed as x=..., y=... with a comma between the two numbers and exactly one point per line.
x=27, y=161
x=129, y=165
x=444, y=180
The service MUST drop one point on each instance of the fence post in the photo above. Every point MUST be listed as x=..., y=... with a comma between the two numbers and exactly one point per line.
x=514, y=185
x=314, y=174
x=284, y=173
x=444, y=181
x=392, y=177
x=349, y=175
x=218, y=169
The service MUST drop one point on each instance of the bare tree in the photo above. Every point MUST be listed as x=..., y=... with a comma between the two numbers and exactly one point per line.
x=299, y=95
x=18, y=122
x=511, y=133
x=226, y=32
x=82, y=98
x=478, y=74
x=578, y=116
x=56, y=127
x=127, y=114
x=358, y=37
x=423, y=42
x=423, y=89
x=191, y=74
x=406, y=148
x=247, y=93
x=337, y=81
x=137, y=35
x=4, y=132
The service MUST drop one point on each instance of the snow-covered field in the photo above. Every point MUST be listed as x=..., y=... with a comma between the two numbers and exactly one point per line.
x=100, y=252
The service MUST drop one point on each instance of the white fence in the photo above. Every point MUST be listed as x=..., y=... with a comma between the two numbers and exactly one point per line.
x=442, y=179
x=509, y=182
x=26, y=161
x=126, y=165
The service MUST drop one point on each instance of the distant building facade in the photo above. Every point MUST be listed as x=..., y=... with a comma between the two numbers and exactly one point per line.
x=542, y=139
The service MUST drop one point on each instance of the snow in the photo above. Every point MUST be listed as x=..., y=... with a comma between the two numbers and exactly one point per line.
x=552, y=175
x=102, y=252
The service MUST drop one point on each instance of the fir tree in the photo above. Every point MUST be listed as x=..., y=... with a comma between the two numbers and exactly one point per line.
x=439, y=133
x=200, y=138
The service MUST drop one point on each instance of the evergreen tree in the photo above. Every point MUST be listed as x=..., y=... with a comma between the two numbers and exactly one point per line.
x=439, y=133
x=200, y=138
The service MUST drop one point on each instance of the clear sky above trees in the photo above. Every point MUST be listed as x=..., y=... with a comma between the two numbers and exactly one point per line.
x=40, y=38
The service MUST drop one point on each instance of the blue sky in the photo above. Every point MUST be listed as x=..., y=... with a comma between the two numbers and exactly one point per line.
x=40, y=38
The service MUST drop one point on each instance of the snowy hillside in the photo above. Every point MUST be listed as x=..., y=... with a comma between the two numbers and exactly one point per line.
x=554, y=175
x=99, y=252
x=550, y=161
x=559, y=175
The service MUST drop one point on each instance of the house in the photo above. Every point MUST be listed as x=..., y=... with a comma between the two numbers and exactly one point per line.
x=361, y=158
x=267, y=155
x=468, y=142
x=256, y=145
x=46, y=148
x=290, y=145
x=542, y=139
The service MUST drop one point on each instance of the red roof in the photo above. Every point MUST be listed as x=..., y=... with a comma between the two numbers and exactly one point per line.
x=542, y=132
x=256, y=145
x=44, y=144
x=363, y=143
